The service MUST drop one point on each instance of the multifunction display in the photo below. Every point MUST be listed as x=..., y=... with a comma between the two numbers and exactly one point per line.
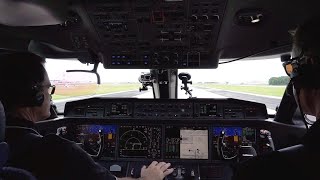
x=186, y=142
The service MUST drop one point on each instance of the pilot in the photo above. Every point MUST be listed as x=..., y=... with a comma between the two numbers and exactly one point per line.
x=26, y=94
x=299, y=161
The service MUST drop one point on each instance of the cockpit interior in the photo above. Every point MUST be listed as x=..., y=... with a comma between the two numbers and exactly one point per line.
x=203, y=138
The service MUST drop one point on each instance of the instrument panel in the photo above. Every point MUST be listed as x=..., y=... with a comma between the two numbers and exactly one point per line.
x=160, y=141
x=139, y=129
x=199, y=137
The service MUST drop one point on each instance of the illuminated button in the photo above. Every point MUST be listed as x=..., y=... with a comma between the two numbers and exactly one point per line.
x=236, y=138
x=110, y=136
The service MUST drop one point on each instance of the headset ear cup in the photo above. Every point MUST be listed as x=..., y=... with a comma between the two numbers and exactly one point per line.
x=31, y=97
x=39, y=99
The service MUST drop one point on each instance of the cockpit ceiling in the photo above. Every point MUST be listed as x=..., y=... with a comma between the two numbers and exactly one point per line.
x=148, y=34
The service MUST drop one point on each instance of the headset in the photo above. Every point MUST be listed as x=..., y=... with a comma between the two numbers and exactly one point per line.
x=302, y=75
x=32, y=96
x=37, y=96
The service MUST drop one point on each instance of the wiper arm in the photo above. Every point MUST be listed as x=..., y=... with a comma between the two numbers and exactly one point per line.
x=94, y=71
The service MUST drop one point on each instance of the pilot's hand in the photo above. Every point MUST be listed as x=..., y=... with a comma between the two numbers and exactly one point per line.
x=156, y=171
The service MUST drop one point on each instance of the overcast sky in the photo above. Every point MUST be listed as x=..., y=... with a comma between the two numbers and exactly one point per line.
x=256, y=71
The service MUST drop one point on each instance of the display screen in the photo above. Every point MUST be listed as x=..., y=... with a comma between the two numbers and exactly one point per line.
x=208, y=110
x=229, y=131
x=97, y=140
x=119, y=109
x=228, y=140
x=186, y=142
x=140, y=141
x=249, y=136
x=236, y=134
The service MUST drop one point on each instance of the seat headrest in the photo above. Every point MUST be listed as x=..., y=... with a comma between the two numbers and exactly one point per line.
x=2, y=122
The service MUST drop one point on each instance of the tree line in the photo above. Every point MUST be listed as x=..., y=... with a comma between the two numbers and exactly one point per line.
x=282, y=80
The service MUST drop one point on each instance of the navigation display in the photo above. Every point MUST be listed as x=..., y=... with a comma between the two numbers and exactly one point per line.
x=140, y=141
x=97, y=140
x=186, y=142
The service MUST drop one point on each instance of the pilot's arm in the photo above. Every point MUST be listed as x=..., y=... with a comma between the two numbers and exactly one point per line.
x=155, y=171
x=72, y=162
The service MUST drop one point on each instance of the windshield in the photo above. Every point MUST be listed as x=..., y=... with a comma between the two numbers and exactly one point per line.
x=262, y=81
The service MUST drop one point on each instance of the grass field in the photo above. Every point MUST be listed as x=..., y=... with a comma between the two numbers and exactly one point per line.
x=254, y=89
x=67, y=91
x=63, y=92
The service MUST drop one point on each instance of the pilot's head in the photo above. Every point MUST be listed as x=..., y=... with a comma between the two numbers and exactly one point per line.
x=25, y=87
x=304, y=67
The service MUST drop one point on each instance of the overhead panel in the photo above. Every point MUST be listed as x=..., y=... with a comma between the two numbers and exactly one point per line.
x=158, y=34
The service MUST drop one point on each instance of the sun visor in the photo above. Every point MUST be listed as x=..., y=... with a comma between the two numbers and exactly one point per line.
x=32, y=12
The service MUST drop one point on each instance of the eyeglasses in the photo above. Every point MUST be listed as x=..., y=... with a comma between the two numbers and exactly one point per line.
x=51, y=88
